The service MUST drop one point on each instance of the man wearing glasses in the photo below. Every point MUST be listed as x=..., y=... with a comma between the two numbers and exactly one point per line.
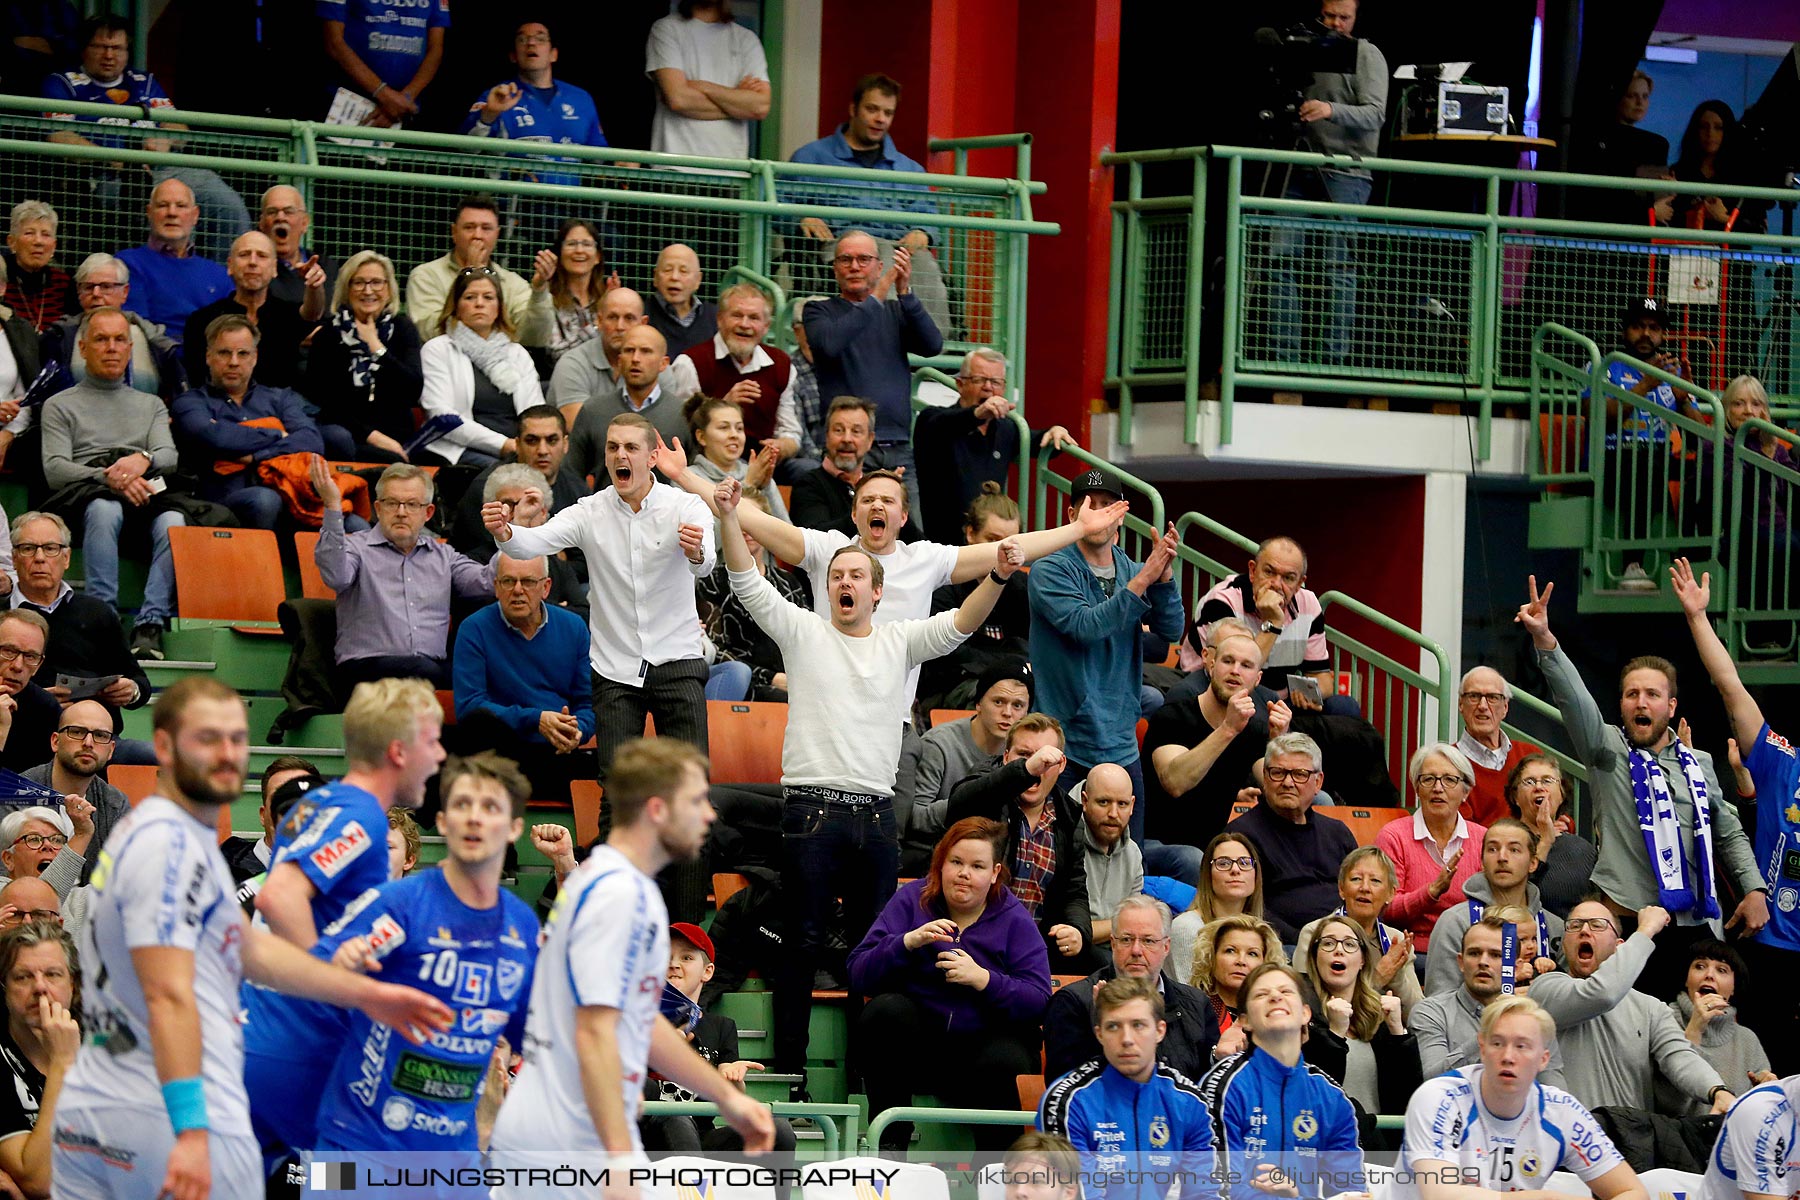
x=1301, y=849
x=1483, y=701
x=86, y=639
x=283, y=217
x=521, y=681
x=79, y=755
x=28, y=714
x=394, y=582
x=1140, y=944
x=860, y=339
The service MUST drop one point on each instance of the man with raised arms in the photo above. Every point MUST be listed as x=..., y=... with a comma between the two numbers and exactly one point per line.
x=155, y=1104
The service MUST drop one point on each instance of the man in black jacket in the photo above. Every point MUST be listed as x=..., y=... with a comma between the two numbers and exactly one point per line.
x=1043, y=844
x=28, y=714
x=86, y=638
x=1140, y=944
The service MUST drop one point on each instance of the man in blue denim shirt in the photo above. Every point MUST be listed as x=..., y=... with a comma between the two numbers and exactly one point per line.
x=1087, y=604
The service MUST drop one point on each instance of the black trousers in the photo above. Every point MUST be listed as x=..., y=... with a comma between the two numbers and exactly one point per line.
x=675, y=694
x=902, y=1050
x=352, y=671
x=548, y=771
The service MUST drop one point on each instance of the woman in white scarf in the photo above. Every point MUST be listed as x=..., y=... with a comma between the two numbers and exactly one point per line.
x=476, y=372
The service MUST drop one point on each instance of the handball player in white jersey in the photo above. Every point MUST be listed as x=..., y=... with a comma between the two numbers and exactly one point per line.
x=596, y=1023
x=1481, y=1131
x=154, y=1105
x=1758, y=1151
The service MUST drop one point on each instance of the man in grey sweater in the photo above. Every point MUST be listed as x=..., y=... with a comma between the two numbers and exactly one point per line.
x=952, y=752
x=1624, y=873
x=1340, y=113
x=1615, y=1054
x=104, y=433
x=1447, y=1026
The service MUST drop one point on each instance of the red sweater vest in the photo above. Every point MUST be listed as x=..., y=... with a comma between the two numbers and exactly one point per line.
x=719, y=375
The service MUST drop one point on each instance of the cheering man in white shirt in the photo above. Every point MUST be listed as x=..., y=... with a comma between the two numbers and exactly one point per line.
x=645, y=544
x=847, y=701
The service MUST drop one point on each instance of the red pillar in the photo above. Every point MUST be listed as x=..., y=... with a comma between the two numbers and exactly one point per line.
x=1047, y=67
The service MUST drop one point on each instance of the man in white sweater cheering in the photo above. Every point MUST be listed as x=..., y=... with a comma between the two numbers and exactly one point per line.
x=846, y=702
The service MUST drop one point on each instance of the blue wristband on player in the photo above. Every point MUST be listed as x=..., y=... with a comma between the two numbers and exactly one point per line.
x=186, y=1101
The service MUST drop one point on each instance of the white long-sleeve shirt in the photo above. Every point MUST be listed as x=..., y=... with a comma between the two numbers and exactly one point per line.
x=845, y=699
x=641, y=609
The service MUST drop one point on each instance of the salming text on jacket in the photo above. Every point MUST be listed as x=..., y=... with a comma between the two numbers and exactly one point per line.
x=1292, y=1118
x=1133, y=1136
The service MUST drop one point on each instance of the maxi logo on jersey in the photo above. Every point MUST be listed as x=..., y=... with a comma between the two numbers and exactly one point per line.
x=342, y=850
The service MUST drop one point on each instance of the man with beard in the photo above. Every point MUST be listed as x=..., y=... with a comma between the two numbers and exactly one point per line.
x=1140, y=946
x=331, y=848
x=83, y=746
x=1201, y=752
x=166, y=950
x=1509, y=854
x=823, y=498
x=1447, y=1025
x=383, y=1096
x=595, y=1025
x=735, y=364
x=1617, y=1053
x=1663, y=822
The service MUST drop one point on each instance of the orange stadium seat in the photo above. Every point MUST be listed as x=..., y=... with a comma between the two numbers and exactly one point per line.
x=1365, y=823
x=943, y=716
x=139, y=782
x=727, y=884
x=744, y=740
x=586, y=797
x=227, y=575
x=312, y=584
x=1031, y=1091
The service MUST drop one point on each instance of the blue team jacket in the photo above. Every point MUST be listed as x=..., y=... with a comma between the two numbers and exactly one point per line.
x=1294, y=1118
x=1129, y=1134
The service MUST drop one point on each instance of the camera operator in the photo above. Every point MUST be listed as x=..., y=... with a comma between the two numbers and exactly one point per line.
x=1343, y=113
x=1340, y=113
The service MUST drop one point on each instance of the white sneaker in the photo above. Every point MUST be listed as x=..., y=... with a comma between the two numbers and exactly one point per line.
x=1635, y=580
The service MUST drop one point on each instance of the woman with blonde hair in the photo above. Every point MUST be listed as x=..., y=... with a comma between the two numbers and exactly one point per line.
x=1225, y=953
x=1366, y=882
x=1381, y=1058
x=1230, y=884
x=474, y=370
x=362, y=369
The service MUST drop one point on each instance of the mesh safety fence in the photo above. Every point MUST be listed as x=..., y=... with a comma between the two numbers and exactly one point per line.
x=1764, y=545
x=1161, y=314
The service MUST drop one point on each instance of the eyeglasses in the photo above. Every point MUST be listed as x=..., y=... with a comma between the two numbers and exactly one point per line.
x=508, y=582
x=532, y=39
x=399, y=506
x=39, y=841
x=1126, y=941
x=78, y=733
x=31, y=549
x=1333, y=944
x=32, y=658
x=985, y=381
x=580, y=244
x=856, y=260
x=1426, y=783
x=1594, y=923
x=1493, y=699
x=21, y=915
x=286, y=210
x=1284, y=774
x=367, y=285
x=1227, y=864
x=1543, y=781
x=88, y=289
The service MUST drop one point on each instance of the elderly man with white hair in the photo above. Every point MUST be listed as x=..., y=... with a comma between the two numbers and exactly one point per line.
x=1483, y=700
x=284, y=218
x=173, y=277
x=966, y=444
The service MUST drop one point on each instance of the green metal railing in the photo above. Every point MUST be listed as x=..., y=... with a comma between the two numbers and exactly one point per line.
x=1762, y=607
x=1437, y=304
x=1137, y=533
x=396, y=193
x=945, y=1116
x=828, y=1117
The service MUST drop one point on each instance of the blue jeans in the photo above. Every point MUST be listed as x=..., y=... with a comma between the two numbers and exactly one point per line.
x=102, y=521
x=728, y=681
x=1286, y=244
x=256, y=507
x=1174, y=860
x=831, y=849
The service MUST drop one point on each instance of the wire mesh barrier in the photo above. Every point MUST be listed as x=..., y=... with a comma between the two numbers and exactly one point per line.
x=1563, y=367
x=1764, y=545
x=1434, y=302
x=397, y=194
x=1364, y=297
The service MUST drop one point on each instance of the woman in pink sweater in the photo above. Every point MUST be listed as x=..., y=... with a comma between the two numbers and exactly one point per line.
x=1438, y=849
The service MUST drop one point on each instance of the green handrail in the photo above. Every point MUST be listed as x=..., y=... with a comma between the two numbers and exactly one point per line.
x=1543, y=362
x=777, y=297
x=1760, y=586
x=723, y=204
x=827, y=1115
x=960, y=147
x=945, y=1116
x=1049, y=481
x=1017, y=417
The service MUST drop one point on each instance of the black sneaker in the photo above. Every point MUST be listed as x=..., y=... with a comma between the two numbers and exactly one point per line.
x=147, y=642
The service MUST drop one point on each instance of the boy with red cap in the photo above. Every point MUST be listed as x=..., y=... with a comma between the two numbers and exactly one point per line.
x=715, y=1037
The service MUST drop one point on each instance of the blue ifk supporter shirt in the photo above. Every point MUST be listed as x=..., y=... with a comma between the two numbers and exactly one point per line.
x=1636, y=425
x=132, y=89
x=559, y=115
x=337, y=837
x=388, y=35
x=1775, y=765
x=386, y=1093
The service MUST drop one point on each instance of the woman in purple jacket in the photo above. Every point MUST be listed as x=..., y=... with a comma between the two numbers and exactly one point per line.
x=957, y=979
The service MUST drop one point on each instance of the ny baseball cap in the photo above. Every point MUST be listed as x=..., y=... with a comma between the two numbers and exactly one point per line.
x=694, y=936
x=1643, y=309
x=1098, y=480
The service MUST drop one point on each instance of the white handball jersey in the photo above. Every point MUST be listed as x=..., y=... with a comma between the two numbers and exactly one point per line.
x=606, y=944
x=1447, y=1122
x=1755, y=1151
x=160, y=882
